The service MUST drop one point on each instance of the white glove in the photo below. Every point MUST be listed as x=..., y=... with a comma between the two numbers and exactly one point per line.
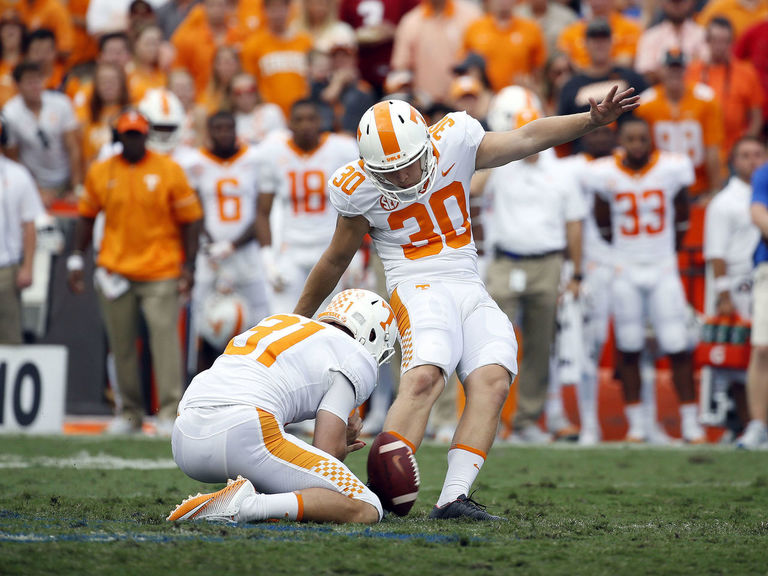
x=220, y=250
x=274, y=277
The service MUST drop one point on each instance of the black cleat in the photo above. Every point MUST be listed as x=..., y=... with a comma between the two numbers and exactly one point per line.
x=463, y=507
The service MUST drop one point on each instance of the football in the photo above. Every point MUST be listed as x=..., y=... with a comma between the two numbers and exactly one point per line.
x=393, y=474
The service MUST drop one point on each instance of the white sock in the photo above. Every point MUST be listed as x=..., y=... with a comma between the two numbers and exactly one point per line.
x=635, y=414
x=464, y=465
x=586, y=394
x=289, y=506
x=648, y=391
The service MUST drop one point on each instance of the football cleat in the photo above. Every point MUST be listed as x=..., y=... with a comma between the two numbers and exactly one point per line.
x=463, y=507
x=221, y=506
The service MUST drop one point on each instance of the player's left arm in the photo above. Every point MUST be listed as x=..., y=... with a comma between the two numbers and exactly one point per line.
x=334, y=434
x=714, y=168
x=499, y=148
x=682, y=206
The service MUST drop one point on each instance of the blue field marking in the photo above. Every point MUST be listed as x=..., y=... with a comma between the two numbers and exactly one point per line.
x=106, y=531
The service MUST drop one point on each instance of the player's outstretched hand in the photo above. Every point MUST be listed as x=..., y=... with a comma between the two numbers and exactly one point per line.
x=612, y=106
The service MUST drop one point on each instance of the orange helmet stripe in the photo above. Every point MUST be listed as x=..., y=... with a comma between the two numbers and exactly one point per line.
x=386, y=130
x=165, y=104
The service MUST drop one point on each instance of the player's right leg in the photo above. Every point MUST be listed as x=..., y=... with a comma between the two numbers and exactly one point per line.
x=430, y=339
x=629, y=320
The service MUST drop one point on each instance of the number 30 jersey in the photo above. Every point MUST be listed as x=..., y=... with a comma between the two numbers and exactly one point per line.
x=284, y=365
x=432, y=237
x=642, y=203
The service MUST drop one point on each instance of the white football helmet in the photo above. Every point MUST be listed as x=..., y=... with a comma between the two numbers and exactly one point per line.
x=368, y=317
x=512, y=108
x=166, y=116
x=391, y=135
x=223, y=318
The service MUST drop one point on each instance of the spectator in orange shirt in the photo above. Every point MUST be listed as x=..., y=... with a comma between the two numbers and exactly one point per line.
x=85, y=47
x=53, y=15
x=146, y=262
x=97, y=119
x=41, y=48
x=218, y=93
x=685, y=118
x=196, y=44
x=12, y=34
x=626, y=33
x=144, y=72
x=514, y=48
x=741, y=13
x=735, y=83
x=278, y=57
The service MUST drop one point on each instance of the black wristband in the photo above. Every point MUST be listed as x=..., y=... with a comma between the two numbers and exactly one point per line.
x=578, y=277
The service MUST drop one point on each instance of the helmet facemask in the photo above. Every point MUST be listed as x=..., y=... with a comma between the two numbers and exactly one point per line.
x=405, y=195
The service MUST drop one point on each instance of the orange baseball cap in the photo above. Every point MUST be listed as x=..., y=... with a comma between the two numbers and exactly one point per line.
x=465, y=86
x=132, y=121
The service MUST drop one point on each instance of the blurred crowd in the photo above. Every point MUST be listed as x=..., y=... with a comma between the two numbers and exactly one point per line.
x=217, y=77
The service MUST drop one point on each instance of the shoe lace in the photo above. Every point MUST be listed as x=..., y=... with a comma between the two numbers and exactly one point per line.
x=470, y=499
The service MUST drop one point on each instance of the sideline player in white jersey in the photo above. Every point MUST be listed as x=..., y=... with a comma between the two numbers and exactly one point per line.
x=304, y=222
x=730, y=240
x=641, y=206
x=228, y=178
x=597, y=270
x=410, y=190
x=286, y=369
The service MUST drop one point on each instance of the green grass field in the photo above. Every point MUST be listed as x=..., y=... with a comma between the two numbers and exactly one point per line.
x=90, y=505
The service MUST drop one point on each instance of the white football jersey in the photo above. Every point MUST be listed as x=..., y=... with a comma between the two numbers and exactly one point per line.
x=306, y=218
x=642, y=204
x=228, y=189
x=283, y=365
x=594, y=247
x=429, y=238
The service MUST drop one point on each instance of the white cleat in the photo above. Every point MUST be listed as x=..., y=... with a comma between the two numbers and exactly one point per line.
x=589, y=436
x=221, y=506
x=693, y=433
x=755, y=437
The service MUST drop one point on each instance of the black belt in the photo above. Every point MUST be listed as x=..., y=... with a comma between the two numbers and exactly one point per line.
x=513, y=256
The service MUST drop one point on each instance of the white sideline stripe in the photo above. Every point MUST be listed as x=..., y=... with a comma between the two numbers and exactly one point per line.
x=396, y=445
x=86, y=461
x=405, y=498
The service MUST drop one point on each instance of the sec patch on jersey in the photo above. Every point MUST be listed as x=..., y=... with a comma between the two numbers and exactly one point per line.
x=393, y=474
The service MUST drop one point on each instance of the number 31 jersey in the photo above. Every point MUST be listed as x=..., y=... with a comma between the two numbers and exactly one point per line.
x=284, y=365
x=432, y=237
x=642, y=203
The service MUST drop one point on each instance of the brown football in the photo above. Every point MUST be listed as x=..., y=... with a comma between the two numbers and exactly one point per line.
x=393, y=474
